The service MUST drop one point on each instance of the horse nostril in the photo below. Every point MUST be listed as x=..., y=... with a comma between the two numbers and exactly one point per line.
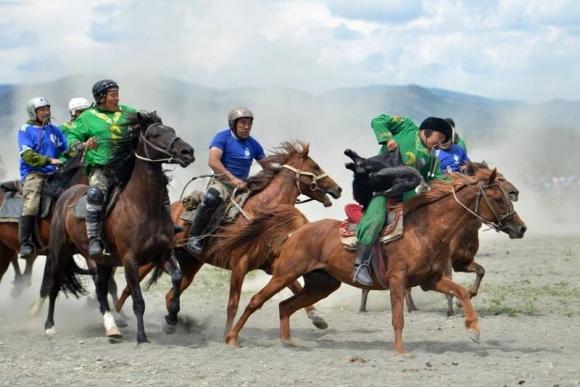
x=523, y=229
x=339, y=189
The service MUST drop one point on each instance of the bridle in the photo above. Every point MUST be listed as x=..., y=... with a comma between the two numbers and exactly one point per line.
x=168, y=150
x=499, y=225
x=313, y=185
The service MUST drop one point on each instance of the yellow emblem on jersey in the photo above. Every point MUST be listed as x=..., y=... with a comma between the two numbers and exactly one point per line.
x=409, y=158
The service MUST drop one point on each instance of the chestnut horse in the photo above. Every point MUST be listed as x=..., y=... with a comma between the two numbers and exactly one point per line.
x=138, y=229
x=69, y=174
x=464, y=245
x=289, y=172
x=420, y=257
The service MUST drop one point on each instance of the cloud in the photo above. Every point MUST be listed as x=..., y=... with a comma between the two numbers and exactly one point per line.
x=497, y=48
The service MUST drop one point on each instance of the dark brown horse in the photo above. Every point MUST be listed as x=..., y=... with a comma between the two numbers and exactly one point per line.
x=70, y=174
x=464, y=245
x=289, y=172
x=420, y=257
x=138, y=229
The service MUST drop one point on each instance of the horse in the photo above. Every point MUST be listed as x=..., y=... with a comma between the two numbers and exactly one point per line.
x=137, y=230
x=67, y=175
x=315, y=251
x=287, y=173
x=464, y=245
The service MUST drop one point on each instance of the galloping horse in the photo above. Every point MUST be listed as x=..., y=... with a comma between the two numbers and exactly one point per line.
x=289, y=172
x=420, y=257
x=70, y=174
x=137, y=230
x=464, y=244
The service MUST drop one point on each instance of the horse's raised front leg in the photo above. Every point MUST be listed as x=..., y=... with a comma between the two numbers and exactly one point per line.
x=317, y=320
x=102, y=288
x=446, y=286
x=132, y=276
x=173, y=307
x=189, y=268
x=397, y=289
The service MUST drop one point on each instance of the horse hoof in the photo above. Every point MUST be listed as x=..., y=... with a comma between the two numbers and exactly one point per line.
x=450, y=313
x=50, y=332
x=459, y=304
x=114, y=333
x=168, y=329
x=362, y=311
x=232, y=341
x=143, y=340
x=319, y=322
x=473, y=335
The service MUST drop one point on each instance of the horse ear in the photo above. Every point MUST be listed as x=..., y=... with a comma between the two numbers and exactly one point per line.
x=492, y=176
x=305, y=150
x=468, y=169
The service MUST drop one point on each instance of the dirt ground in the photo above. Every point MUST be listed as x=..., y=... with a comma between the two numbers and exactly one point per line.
x=529, y=307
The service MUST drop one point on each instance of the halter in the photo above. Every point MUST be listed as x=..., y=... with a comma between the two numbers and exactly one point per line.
x=313, y=185
x=499, y=225
x=148, y=144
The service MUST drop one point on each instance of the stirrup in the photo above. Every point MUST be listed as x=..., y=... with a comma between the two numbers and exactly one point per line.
x=357, y=271
x=27, y=250
x=93, y=252
x=195, y=245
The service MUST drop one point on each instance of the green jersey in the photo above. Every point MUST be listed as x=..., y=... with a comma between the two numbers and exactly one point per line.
x=105, y=126
x=412, y=150
x=67, y=127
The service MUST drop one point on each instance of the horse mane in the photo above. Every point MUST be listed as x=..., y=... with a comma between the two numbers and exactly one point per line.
x=272, y=163
x=438, y=190
x=122, y=162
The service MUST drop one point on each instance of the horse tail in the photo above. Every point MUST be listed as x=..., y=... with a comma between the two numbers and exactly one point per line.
x=157, y=273
x=71, y=283
x=262, y=236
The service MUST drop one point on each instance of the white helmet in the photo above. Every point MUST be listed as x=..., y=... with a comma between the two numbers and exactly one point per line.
x=78, y=103
x=35, y=103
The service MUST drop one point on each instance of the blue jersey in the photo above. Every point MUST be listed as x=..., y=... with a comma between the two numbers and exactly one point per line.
x=45, y=140
x=452, y=159
x=238, y=154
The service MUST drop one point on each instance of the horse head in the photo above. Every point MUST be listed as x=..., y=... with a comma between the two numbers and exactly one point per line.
x=496, y=207
x=159, y=142
x=475, y=169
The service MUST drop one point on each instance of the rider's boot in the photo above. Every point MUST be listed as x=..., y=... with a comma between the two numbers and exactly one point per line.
x=205, y=211
x=25, y=229
x=362, y=268
x=95, y=201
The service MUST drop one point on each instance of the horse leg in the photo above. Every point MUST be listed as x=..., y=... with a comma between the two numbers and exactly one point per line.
x=364, y=295
x=411, y=307
x=27, y=275
x=35, y=308
x=56, y=277
x=446, y=286
x=317, y=286
x=276, y=283
x=189, y=268
x=173, y=269
x=449, y=274
x=143, y=271
x=132, y=276
x=120, y=317
x=236, y=281
x=397, y=288
x=102, y=286
x=317, y=320
x=479, y=273
x=5, y=263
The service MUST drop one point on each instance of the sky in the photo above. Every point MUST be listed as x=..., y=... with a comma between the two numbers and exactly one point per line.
x=512, y=49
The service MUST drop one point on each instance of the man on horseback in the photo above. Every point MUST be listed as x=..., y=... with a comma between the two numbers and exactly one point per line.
x=40, y=144
x=416, y=147
x=231, y=154
x=453, y=153
x=76, y=106
x=99, y=126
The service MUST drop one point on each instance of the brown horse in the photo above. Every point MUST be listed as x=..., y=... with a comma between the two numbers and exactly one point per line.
x=289, y=172
x=464, y=245
x=70, y=174
x=420, y=257
x=138, y=229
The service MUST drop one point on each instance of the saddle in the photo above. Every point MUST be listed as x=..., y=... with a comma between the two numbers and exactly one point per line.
x=393, y=229
x=226, y=213
x=11, y=206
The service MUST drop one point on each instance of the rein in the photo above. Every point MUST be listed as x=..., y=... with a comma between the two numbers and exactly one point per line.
x=497, y=226
x=313, y=185
x=148, y=144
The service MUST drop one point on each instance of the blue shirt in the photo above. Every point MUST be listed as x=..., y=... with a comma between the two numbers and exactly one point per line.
x=452, y=159
x=47, y=141
x=238, y=154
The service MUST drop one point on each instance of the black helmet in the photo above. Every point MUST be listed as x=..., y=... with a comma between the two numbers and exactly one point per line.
x=100, y=88
x=439, y=125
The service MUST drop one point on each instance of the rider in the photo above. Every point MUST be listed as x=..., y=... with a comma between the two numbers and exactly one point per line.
x=40, y=144
x=99, y=126
x=231, y=153
x=76, y=106
x=415, y=145
x=453, y=153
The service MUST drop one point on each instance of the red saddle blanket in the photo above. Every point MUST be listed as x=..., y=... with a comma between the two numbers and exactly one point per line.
x=354, y=212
